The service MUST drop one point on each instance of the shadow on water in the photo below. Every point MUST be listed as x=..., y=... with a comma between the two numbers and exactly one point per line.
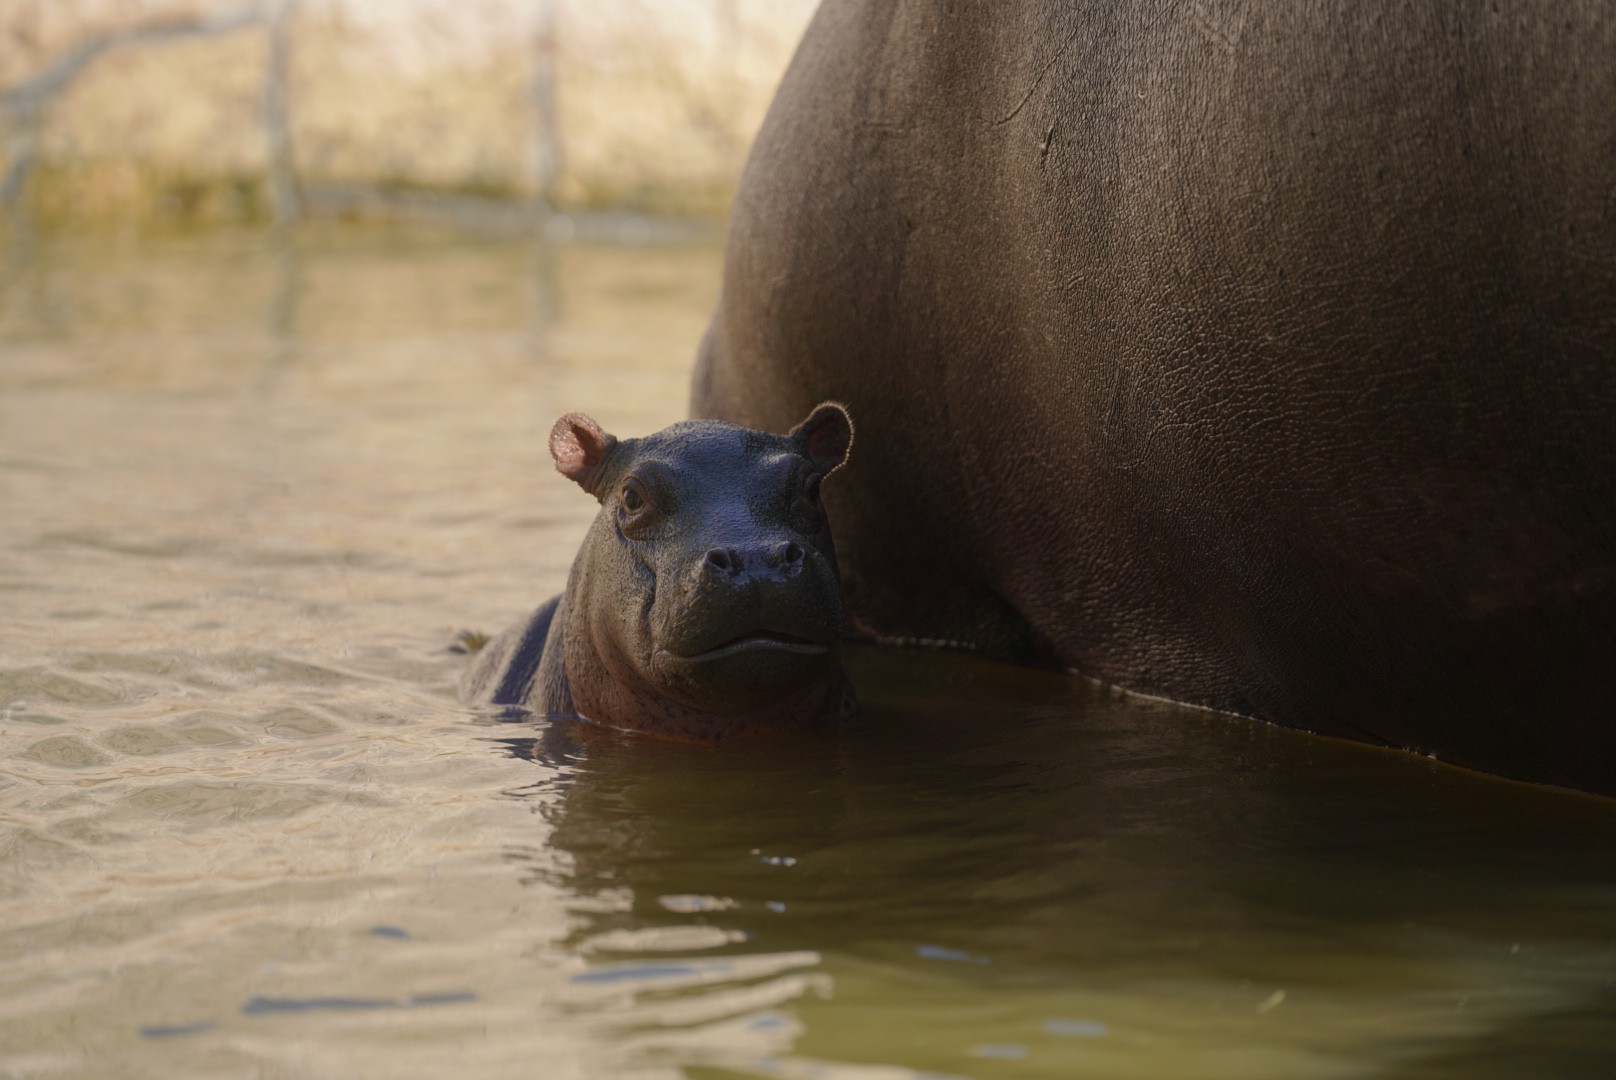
x=1568, y=1042
x=1021, y=872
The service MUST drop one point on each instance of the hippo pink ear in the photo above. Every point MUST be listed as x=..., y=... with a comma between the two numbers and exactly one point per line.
x=579, y=447
x=827, y=435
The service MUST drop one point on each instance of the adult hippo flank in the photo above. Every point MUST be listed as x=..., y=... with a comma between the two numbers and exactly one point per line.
x=704, y=602
x=1258, y=356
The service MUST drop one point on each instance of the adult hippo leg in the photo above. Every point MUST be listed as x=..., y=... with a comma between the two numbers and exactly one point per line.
x=1259, y=357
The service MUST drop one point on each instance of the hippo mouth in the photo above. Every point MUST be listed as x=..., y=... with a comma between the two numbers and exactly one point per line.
x=773, y=640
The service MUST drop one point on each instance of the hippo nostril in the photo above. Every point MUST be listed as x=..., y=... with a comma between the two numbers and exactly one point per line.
x=719, y=559
x=786, y=554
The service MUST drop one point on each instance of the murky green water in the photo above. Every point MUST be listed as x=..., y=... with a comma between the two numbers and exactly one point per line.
x=246, y=499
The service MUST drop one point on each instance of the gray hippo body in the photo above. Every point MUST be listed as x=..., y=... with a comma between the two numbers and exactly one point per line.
x=704, y=602
x=1261, y=357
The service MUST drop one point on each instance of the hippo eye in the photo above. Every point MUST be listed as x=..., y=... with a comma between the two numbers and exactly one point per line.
x=635, y=506
x=810, y=490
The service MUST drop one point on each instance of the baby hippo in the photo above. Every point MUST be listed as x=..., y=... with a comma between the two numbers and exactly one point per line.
x=705, y=601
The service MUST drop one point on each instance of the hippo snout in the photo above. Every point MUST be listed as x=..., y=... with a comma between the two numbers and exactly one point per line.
x=770, y=596
x=782, y=560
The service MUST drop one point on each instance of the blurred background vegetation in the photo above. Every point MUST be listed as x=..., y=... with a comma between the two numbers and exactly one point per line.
x=220, y=111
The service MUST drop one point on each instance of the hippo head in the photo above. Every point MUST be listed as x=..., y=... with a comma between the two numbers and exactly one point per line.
x=706, y=595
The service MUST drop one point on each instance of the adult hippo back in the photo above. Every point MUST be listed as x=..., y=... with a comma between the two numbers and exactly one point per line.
x=1256, y=356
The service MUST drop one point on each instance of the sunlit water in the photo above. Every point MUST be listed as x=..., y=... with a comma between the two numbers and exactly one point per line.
x=248, y=496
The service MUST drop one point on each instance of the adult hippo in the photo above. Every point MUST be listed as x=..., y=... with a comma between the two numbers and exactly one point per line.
x=1255, y=356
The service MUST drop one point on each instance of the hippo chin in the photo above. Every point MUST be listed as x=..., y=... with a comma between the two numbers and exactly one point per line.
x=705, y=601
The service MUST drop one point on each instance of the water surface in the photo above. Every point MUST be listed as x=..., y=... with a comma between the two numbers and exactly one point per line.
x=250, y=491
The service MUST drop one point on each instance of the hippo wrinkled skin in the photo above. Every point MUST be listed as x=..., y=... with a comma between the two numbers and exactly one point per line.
x=705, y=601
x=1257, y=356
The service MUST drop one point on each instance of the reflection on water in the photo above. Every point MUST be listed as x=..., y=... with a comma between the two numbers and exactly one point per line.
x=1003, y=873
x=248, y=495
